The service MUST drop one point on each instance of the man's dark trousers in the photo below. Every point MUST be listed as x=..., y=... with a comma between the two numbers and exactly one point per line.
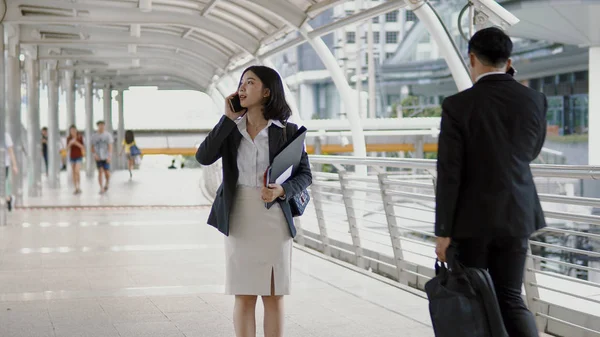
x=504, y=257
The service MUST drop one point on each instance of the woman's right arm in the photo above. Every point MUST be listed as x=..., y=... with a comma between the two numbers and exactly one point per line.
x=210, y=149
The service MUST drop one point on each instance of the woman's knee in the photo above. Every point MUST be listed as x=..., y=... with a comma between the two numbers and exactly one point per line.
x=246, y=300
x=272, y=301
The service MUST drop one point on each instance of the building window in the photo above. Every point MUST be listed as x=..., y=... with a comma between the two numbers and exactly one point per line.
x=375, y=37
x=349, y=12
x=391, y=16
x=376, y=19
x=350, y=37
x=389, y=55
x=410, y=16
x=391, y=37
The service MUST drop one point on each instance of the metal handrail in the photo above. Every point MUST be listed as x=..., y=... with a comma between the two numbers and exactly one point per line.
x=398, y=188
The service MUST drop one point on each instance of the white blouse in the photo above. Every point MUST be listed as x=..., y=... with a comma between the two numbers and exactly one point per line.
x=253, y=156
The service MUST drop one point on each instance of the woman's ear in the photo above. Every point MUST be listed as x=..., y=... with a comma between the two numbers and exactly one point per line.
x=266, y=93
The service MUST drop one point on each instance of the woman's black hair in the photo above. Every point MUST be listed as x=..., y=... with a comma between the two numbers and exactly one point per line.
x=129, y=137
x=276, y=106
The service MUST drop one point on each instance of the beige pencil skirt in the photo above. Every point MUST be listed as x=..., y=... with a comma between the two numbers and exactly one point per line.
x=259, y=243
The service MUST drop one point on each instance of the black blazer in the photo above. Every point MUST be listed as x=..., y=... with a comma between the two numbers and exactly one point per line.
x=223, y=142
x=489, y=135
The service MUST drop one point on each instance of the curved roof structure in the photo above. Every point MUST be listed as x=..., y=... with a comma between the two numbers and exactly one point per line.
x=572, y=22
x=170, y=43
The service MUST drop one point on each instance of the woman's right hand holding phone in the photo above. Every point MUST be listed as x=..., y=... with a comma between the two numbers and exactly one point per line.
x=229, y=109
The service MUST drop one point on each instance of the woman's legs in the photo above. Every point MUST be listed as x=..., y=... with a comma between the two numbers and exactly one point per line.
x=130, y=163
x=77, y=176
x=274, y=317
x=244, y=316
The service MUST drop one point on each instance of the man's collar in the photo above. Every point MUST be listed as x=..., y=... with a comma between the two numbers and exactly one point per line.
x=487, y=74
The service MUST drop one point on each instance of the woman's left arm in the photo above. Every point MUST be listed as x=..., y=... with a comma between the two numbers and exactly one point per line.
x=301, y=180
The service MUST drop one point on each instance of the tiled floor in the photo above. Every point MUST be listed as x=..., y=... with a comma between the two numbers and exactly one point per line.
x=159, y=272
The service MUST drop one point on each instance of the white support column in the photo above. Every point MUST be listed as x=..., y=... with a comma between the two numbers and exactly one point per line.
x=54, y=160
x=69, y=83
x=594, y=107
x=120, y=130
x=107, y=100
x=358, y=62
x=346, y=94
x=3, y=209
x=594, y=128
x=34, y=148
x=89, y=126
x=436, y=29
x=371, y=71
x=13, y=99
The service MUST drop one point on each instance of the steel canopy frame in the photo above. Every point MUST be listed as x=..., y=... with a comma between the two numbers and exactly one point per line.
x=211, y=31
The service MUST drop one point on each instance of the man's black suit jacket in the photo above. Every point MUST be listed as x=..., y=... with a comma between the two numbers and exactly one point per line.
x=489, y=135
x=223, y=142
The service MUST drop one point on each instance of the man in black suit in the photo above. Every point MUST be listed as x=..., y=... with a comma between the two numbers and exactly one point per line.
x=486, y=201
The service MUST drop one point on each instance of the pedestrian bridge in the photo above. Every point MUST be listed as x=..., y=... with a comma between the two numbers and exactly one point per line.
x=140, y=260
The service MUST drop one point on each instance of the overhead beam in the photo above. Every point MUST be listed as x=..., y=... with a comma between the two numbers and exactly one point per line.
x=209, y=7
x=145, y=5
x=127, y=16
x=285, y=11
x=189, y=66
x=187, y=33
x=105, y=76
x=206, y=53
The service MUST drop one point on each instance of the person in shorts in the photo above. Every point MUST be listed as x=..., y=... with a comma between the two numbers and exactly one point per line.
x=75, y=148
x=102, y=147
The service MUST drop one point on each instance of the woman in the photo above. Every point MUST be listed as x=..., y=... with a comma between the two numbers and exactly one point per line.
x=128, y=142
x=75, y=148
x=258, y=242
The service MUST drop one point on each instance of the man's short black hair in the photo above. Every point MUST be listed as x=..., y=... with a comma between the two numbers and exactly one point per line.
x=491, y=46
x=99, y=122
x=44, y=129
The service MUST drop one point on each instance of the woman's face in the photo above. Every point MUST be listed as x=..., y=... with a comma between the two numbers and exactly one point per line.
x=73, y=132
x=252, y=91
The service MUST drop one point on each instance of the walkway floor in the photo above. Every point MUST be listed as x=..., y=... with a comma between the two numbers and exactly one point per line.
x=159, y=272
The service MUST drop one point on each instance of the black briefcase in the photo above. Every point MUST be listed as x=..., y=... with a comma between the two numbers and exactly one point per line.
x=463, y=303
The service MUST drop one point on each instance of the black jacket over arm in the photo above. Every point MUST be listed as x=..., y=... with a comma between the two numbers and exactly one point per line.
x=489, y=135
x=223, y=142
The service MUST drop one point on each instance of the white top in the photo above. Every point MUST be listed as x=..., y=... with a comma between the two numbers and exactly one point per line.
x=8, y=143
x=490, y=73
x=253, y=156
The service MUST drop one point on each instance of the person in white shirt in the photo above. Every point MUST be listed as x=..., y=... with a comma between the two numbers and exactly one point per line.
x=10, y=161
x=258, y=243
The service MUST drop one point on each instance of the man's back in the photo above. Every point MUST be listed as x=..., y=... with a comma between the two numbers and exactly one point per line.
x=502, y=127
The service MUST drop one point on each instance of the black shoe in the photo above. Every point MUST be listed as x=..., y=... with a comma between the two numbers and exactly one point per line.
x=9, y=203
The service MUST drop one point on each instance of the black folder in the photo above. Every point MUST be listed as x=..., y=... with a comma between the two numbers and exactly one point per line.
x=286, y=160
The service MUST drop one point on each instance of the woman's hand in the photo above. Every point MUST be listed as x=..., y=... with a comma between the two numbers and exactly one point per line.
x=271, y=193
x=229, y=111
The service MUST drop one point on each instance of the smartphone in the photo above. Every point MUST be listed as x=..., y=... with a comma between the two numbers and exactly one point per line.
x=511, y=71
x=235, y=104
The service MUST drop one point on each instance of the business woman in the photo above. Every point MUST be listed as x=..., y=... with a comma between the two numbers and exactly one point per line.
x=258, y=242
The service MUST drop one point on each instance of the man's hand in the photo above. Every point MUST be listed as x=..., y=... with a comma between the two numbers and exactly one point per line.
x=441, y=245
x=15, y=170
x=273, y=192
x=108, y=159
x=96, y=157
